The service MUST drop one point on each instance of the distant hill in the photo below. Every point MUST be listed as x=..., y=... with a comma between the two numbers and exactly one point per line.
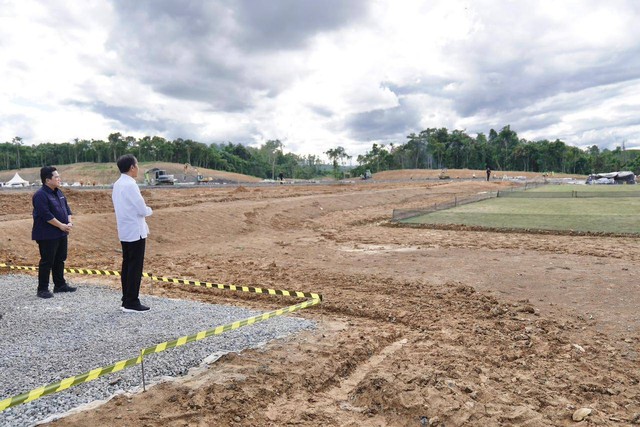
x=107, y=173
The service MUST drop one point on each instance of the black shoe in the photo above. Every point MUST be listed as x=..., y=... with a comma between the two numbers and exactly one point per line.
x=45, y=294
x=135, y=309
x=65, y=288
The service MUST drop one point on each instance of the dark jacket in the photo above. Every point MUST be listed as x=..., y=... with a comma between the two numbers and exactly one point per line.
x=49, y=204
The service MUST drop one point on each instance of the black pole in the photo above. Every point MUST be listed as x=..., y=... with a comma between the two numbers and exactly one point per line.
x=144, y=388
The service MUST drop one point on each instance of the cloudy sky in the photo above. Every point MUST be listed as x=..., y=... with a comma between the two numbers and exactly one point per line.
x=317, y=74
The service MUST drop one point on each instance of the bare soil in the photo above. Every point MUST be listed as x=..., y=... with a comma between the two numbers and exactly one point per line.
x=101, y=174
x=418, y=326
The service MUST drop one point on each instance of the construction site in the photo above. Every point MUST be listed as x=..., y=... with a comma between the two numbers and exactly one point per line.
x=417, y=326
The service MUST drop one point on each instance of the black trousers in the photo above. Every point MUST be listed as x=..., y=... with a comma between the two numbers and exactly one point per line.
x=131, y=274
x=53, y=254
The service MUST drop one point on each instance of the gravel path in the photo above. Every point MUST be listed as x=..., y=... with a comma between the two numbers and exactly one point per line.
x=44, y=341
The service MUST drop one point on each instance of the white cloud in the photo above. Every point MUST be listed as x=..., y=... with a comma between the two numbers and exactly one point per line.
x=347, y=73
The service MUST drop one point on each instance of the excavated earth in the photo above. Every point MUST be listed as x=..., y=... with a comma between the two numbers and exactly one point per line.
x=418, y=327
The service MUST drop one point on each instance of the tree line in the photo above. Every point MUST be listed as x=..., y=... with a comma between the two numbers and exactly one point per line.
x=432, y=148
x=267, y=161
x=502, y=150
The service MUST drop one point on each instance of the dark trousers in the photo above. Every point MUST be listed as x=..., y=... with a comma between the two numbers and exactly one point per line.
x=53, y=254
x=131, y=274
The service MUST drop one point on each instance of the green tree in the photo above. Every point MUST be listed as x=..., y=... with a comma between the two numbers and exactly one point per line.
x=336, y=155
x=437, y=142
x=271, y=150
x=117, y=144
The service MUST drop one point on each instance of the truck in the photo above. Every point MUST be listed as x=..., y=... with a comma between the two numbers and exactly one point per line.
x=158, y=176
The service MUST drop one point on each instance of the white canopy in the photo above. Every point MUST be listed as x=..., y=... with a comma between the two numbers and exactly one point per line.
x=16, y=181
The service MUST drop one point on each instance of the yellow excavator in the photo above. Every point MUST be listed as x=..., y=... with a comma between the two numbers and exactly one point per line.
x=200, y=179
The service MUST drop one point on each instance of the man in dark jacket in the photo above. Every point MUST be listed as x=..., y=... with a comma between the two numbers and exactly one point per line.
x=51, y=226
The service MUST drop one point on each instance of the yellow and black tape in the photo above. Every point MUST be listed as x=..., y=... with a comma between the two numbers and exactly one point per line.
x=18, y=267
x=228, y=327
x=155, y=278
x=158, y=348
x=240, y=288
x=66, y=383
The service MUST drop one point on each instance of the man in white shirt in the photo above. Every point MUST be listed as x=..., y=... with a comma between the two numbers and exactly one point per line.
x=131, y=211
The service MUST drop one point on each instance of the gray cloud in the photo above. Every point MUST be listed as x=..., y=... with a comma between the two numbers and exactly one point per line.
x=321, y=111
x=506, y=94
x=127, y=117
x=428, y=85
x=390, y=123
x=506, y=75
x=511, y=68
x=181, y=50
x=289, y=24
x=512, y=63
x=511, y=88
x=497, y=88
x=223, y=53
x=22, y=125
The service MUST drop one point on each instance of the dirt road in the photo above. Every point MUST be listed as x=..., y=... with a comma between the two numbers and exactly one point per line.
x=418, y=327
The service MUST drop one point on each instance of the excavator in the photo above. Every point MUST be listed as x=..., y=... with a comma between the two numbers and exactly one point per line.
x=444, y=174
x=200, y=179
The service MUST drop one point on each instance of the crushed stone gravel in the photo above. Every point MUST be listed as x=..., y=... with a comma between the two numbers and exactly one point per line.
x=44, y=341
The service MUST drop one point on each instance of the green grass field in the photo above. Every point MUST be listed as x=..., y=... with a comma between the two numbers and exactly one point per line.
x=585, y=188
x=593, y=214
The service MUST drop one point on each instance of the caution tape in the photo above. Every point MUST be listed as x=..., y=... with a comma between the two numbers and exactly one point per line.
x=225, y=328
x=18, y=267
x=158, y=348
x=67, y=383
x=155, y=278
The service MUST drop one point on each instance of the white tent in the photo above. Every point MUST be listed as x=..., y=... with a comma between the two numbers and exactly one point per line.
x=16, y=181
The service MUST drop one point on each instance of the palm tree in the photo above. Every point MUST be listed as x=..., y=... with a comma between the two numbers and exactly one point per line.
x=18, y=142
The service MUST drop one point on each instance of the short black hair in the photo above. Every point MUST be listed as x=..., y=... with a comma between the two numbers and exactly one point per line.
x=46, y=173
x=125, y=162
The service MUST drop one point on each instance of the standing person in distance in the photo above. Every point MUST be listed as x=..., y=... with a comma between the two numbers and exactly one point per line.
x=51, y=226
x=488, y=173
x=131, y=211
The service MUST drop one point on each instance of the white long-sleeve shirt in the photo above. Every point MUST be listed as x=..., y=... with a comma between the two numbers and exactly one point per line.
x=130, y=210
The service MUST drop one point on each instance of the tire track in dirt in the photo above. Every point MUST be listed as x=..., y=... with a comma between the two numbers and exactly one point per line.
x=341, y=392
x=338, y=394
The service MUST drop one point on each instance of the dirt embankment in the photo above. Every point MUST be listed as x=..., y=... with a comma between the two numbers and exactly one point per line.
x=442, y=327
x=473, y=174
x=100, y=174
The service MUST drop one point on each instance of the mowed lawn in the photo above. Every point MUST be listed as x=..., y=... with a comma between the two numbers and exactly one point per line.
x=588, y=214
x=590, y=189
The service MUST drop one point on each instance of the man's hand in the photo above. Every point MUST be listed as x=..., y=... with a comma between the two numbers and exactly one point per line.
x=66, y=227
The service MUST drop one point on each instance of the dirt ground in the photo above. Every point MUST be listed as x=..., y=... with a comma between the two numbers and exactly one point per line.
x=418, y=326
